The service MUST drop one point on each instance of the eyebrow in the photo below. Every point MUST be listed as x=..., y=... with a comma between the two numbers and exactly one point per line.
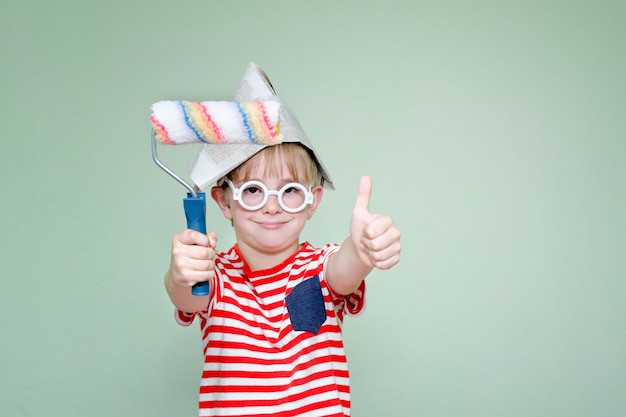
x=279, y=179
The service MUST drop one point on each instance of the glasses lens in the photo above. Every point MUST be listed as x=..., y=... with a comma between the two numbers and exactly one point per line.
x=293, y=196
x=252, y=195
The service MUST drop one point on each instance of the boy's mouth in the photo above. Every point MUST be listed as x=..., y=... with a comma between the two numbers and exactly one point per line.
x=271, y=225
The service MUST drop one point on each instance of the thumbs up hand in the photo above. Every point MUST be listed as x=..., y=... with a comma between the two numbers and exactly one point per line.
x=374, y=236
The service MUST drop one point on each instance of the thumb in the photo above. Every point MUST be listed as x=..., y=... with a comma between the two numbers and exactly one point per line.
x=363, y=195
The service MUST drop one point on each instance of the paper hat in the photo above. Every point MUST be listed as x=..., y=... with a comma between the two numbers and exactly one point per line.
x=214, y=161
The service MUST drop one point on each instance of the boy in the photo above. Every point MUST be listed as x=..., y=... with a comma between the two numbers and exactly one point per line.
x=271, y=325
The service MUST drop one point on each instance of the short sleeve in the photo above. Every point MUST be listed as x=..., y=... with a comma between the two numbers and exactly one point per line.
x=182, y=318
x=355, y=302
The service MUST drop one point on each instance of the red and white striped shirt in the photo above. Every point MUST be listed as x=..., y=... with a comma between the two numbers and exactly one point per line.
x=272, y=338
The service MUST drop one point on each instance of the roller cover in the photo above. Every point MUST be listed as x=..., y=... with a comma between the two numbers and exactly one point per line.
x=216, y=122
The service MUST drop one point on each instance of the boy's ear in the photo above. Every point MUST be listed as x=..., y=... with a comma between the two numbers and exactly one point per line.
x=219, y=195
x=318, y=193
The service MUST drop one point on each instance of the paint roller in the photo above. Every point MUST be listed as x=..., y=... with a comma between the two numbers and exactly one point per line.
x=216, y=123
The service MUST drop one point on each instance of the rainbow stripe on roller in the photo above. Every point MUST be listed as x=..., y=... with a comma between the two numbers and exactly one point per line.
x=216, y=122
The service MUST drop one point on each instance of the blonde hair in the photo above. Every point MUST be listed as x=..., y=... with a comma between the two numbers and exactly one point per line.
x=299, y=163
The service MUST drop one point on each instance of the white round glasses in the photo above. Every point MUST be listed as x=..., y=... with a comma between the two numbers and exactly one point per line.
x=253, y=195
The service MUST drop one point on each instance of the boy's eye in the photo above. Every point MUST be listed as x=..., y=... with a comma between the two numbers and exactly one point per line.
x=290, y=190
x=253, y=189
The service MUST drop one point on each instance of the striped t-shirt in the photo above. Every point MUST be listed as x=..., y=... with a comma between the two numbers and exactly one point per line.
x=272, y=338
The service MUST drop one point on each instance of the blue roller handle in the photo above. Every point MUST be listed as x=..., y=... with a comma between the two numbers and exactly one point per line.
x=195, y=211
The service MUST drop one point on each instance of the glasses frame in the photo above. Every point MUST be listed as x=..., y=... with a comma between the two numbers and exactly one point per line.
x=308, y=195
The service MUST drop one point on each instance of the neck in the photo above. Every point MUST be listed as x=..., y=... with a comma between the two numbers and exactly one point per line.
x=266, y=259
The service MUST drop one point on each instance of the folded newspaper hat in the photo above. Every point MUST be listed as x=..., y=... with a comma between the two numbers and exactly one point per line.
x=214, y=161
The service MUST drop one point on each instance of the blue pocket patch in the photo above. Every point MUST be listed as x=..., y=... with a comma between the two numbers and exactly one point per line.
x=305, y=304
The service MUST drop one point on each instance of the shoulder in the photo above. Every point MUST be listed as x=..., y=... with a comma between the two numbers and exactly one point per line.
x=313, y=256
x=308, y=248
x=229, y=259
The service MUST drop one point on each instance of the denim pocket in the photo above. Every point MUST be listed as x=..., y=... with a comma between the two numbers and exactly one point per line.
x=305, y=304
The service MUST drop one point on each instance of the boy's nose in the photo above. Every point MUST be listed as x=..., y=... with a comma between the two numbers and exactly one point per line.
x=272, y=205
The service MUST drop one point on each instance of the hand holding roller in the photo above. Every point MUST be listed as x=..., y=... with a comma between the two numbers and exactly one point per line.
x=214, y=122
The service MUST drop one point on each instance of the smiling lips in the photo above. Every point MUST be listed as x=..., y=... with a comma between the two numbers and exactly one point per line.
x=271, y=225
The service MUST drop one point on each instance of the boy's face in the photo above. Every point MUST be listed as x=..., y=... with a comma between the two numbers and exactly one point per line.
x=270, y=228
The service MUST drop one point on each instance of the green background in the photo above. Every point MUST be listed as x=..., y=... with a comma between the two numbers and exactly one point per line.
x=495, y=133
